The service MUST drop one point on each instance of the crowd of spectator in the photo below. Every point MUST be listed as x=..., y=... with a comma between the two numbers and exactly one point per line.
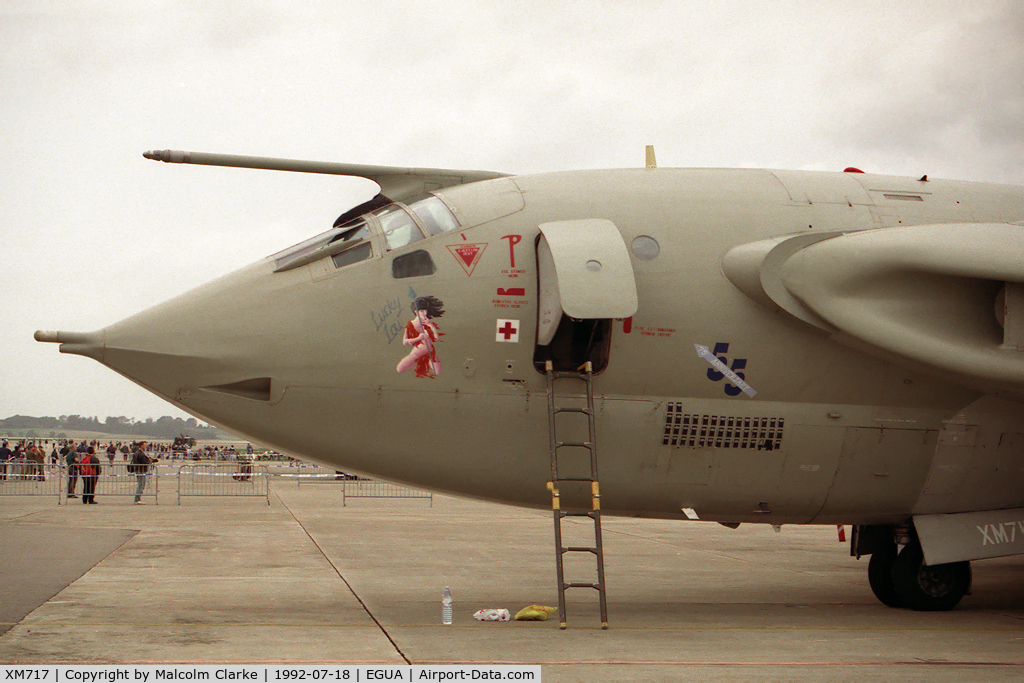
x=33, y=454
x=27, y=458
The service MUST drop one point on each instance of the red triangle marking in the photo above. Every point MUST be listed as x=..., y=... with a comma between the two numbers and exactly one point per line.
x=468, y=255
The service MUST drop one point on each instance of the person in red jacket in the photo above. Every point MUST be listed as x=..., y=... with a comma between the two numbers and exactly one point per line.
x=89, y=468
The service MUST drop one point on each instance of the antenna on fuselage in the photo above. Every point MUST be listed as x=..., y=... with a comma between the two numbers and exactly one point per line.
x=651, y=161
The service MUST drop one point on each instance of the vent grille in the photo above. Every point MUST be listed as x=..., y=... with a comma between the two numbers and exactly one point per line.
x=721, y=431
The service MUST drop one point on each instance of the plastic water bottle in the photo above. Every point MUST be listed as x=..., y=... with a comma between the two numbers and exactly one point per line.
x=446, y=606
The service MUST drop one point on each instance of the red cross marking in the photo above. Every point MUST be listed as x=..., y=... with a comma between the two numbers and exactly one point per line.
x=508, y=330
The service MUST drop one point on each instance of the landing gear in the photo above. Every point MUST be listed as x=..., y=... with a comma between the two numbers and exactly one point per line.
x=929, y=588
x=880, y=575
x=903, y=579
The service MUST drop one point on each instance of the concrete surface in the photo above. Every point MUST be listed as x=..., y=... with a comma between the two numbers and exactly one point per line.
x=307, y=580
x=39, y=561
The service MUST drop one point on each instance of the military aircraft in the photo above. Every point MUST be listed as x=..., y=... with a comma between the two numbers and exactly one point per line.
x=759, y=346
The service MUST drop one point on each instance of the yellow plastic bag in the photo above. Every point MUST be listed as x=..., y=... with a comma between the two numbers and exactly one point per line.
x=535, y=613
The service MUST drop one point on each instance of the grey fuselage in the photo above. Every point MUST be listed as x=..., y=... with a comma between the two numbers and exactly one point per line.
x=305, y=359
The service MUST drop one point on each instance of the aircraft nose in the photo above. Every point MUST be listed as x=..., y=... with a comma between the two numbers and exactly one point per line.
x=211, y=338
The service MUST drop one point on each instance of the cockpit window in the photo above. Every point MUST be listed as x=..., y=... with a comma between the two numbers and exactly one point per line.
x=351, y=242
x=398, y=226
x=353, y=230
x=414, y=264
x=303, y=248
x=353, y=236
x=435, y=216
x=359, y=252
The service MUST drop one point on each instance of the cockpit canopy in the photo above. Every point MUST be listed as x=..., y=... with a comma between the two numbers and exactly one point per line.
x=393, y=226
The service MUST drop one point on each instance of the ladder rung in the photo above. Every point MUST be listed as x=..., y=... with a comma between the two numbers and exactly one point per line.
x=585, y=411
x=575, y=479
x=593, y=514
x=576, y=444
x=579, y=549
x=595, y=586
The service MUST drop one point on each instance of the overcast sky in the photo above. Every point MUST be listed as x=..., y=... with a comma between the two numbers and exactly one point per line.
x=93, y=233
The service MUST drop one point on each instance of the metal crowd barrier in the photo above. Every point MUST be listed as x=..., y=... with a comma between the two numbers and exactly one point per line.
x=363, y=488
x=224, y=479
x=29, y=479
x=197, y=479
x=118, y=479
x=309, y=474
x=351, y=486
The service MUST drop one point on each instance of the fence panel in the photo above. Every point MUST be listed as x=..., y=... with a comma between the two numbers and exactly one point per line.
x=29, y=479
x=235, y=479
x=302, y=472
x=365, y=488
x=350, y=485
x=115, y=480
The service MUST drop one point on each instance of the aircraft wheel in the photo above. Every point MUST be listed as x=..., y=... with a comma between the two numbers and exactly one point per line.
x=929, y=588
x=880, y=576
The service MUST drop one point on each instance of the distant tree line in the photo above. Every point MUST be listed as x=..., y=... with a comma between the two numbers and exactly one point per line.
x=165, y=427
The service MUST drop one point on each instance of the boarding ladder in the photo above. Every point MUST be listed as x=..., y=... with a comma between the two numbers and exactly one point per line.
x=585, y=374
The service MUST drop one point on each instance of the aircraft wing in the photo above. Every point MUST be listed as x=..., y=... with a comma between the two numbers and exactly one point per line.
x=396, y=183
x=950, y=296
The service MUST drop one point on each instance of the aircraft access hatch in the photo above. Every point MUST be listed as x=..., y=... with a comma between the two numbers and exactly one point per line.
x=585, y=279
x=583, y=269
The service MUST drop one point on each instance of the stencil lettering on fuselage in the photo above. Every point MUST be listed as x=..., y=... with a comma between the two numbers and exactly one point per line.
x=467, y=255
x=720, y=369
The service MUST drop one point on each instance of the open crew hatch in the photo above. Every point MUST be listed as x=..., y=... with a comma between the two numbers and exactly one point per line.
x=585, y=280
x=393, y=226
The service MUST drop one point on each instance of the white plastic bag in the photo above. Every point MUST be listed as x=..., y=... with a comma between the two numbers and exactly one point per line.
x=492, y=615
